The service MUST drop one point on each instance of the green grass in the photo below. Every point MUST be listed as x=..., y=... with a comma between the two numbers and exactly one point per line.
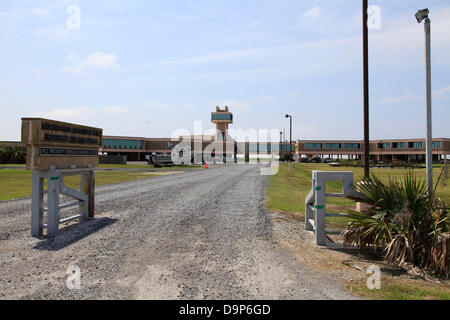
x=143, y=166
x=288, y=193
x=401, y=290
x=16, y=183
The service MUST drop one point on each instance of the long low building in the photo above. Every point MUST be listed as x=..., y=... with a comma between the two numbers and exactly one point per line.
x=389, y=150
x=385, y=150
x=221, y=145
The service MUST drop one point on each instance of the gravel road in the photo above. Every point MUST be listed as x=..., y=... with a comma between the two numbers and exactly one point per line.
x=202, y=234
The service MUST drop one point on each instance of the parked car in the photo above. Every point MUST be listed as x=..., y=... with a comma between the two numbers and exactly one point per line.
x=328, y=160
x=304, y=160
x=315, y=160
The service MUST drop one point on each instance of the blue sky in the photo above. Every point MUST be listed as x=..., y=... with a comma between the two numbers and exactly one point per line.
x=146, y=68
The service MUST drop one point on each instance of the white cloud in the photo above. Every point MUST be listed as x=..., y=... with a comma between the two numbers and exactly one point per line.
x=406, y=97
x=36, y=71
x=53, y=33
x=72, y=57
x=237, y=105
x=313, y=13
x=41, y=11
x=114, y=109
x=65, y=114
x=157, y=105
x=442, y=91
x=96, y=60
x=263, y=98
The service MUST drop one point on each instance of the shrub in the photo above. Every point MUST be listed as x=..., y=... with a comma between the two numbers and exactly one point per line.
x=12, y=155
x=405, y=222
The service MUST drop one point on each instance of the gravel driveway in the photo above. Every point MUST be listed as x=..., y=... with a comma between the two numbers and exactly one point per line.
x=202, y=234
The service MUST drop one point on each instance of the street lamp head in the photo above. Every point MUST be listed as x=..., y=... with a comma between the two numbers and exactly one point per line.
x=287, y=116
x=422, y=14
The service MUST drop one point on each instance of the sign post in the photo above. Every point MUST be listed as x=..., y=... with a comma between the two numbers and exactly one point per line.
x=56, y=150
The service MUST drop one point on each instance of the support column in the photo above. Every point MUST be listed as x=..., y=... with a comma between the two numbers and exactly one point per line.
x=53, y=203
x=88, y=188
x=37, y=199
x=320, y=221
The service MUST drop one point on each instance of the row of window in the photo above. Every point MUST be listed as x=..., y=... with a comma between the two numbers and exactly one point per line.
x=332, y=146
x=122, y=144
x=264, y=147
x=411, y=145
x=222, y=116
x=357, y=146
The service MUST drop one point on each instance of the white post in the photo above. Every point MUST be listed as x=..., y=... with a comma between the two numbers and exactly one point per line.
x=53, y=203
x=37, y=197
x=320, y=205
x=429, y=140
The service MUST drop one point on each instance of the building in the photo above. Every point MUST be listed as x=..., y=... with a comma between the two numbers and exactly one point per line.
x=222, y=147
x=385, y=150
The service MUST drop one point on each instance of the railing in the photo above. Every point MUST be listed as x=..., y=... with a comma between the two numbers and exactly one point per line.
x=315, y=202
x=84, y=199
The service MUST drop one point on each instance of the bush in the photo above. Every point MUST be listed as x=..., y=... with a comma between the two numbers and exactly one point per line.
x=405, y=222
x=12, y=155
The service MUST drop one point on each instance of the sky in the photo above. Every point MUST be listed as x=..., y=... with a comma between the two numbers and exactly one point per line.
x=146, y=68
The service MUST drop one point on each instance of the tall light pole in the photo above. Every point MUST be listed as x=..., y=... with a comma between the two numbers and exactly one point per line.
x=290, y=137
x=281, y=145
x=366, y=88
x=420, y=16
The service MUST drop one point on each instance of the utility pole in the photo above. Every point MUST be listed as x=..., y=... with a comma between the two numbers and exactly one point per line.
x=281, y=144
x=290, y=136
x=366, y=89
x=420, y=16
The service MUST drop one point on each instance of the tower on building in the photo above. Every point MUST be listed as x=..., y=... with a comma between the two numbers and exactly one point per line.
x=221, y=118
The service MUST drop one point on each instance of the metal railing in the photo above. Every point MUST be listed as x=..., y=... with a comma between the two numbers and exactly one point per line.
x=84, y=199
x=315, y=202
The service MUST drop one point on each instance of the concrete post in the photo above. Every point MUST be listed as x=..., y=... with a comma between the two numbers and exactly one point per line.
x=37, y=198
x=53, y=203
x=320, y=205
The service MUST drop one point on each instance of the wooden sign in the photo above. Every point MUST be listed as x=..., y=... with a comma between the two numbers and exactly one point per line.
x=60, y=144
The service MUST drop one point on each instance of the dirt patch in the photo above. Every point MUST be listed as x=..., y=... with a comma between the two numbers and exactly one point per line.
x=347, y=265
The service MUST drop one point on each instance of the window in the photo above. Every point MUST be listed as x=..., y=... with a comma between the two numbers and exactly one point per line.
x=253, y=147
x=224, y=116
x=384, y=145
x=313, y=146
x=416, y=145
x=285, y=147
x=264, y=147
x=399, y=145
x=333, y=146
x=437, y=144
x=122, y=144
x=351, y=146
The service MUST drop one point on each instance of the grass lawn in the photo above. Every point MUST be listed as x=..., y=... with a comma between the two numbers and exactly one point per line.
x=403, y=290
x=287, y=193
x=16, y=183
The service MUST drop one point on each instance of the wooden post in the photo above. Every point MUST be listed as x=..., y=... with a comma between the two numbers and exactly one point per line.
x=88, y=188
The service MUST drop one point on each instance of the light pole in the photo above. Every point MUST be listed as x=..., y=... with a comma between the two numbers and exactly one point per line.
x=281, y=145
x=382, y=147
x=366, y=88
x=420, y=16
x=290, y=137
